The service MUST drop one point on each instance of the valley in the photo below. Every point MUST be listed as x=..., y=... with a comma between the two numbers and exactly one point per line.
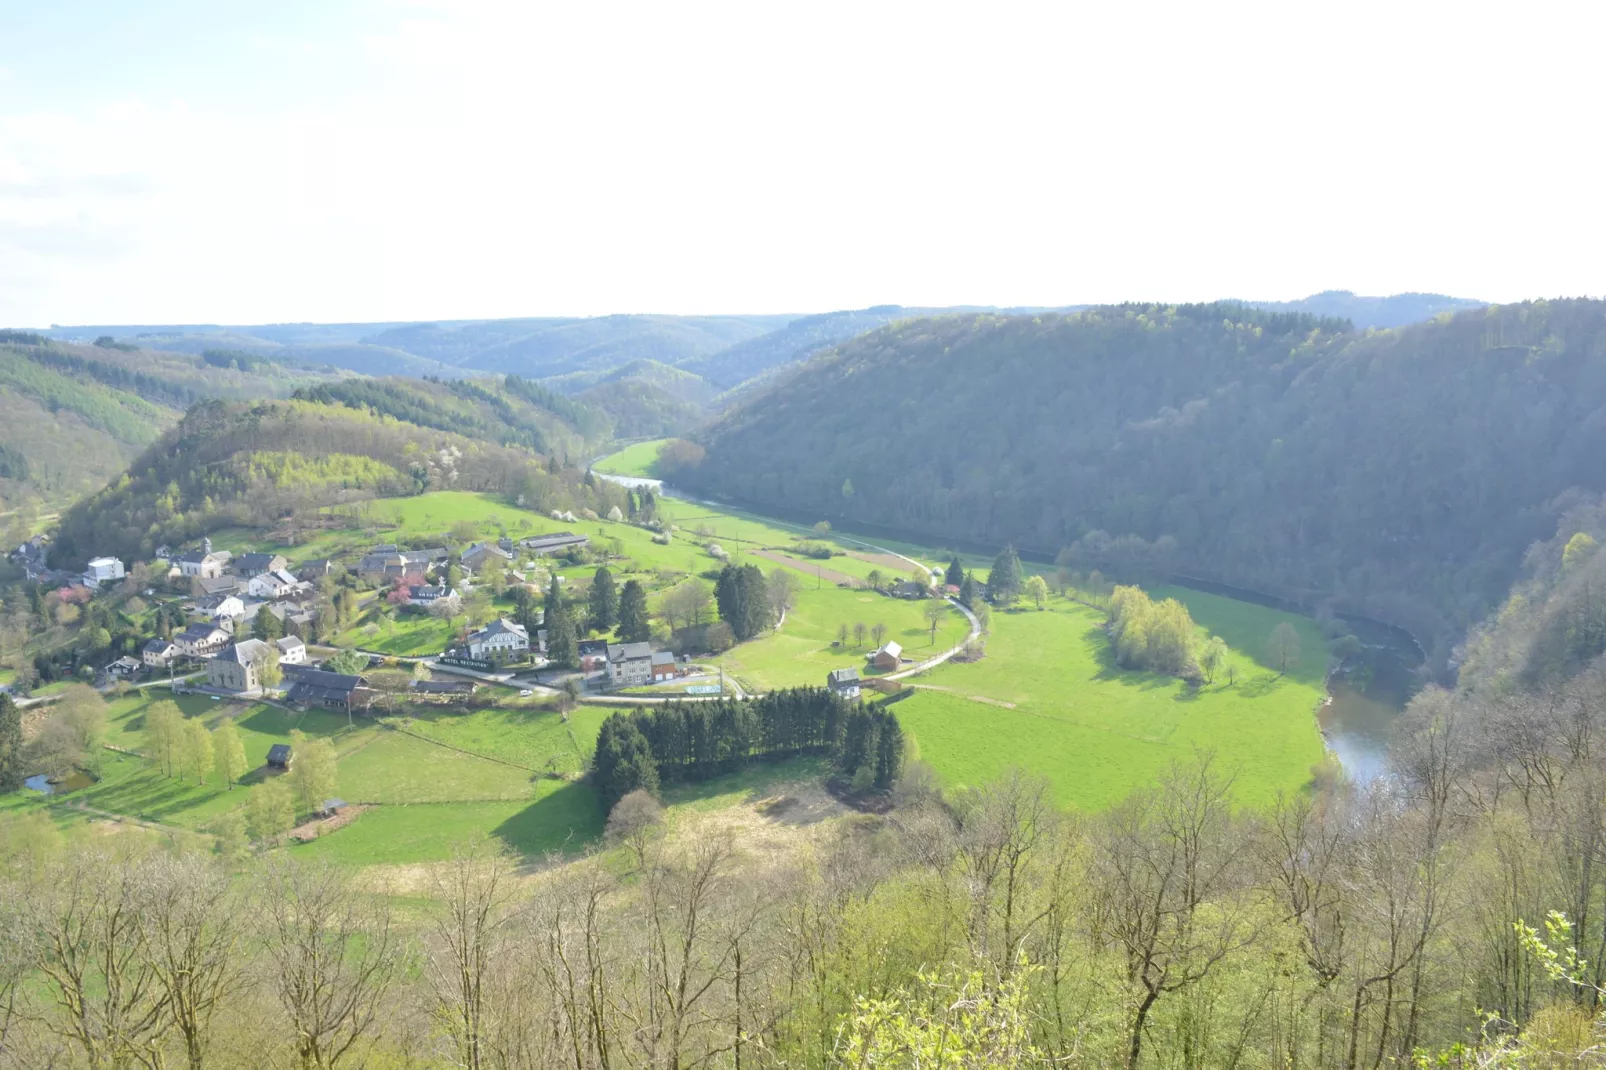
x=1045, y=699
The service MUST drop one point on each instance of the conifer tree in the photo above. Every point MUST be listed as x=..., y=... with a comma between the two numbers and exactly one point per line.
x=889, y=751
x=1003, y=582
x=955, y=574
x=604, y=607
x=635, y=626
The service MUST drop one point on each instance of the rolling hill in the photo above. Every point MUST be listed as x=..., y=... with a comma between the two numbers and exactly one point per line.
x=73, y=416
x=277, y=465
x=1400, y=473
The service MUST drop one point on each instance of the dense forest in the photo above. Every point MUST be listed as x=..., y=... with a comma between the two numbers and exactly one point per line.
x=1401, y=474
x=279, y=463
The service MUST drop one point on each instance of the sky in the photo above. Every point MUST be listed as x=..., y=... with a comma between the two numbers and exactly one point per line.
x=196, y=162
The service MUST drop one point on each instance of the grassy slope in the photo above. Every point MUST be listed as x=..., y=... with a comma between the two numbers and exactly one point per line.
x=1099, y=733
x=638, y=460
x=430, y=797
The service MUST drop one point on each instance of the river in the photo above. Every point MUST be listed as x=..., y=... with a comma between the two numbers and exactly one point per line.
x=1365, y=694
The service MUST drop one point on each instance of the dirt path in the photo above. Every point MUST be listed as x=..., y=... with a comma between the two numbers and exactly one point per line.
x=809, y=568
x=311, y=830
x=895, y=562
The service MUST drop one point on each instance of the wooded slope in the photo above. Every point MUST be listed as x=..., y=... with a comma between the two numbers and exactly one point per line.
x=1402, y=473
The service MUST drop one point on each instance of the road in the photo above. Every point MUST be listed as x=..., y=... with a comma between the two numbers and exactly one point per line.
x=931, y=663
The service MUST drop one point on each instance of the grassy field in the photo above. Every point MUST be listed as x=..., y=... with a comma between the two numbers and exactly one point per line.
x=480, y=773
x=638, y=460
x=802, y=650
x=409, y=635
x=1048, y=699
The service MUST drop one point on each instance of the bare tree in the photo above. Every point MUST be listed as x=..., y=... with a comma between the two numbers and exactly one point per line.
x=684, y=959
x=1001, y=826
x=635, y=821
x=190, y=923
x=92, y=955
x=470, y=929
x=17, y=959
x=334, y=954
x=1162, y=856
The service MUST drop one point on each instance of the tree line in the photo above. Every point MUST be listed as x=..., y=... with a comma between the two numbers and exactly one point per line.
x=693, y=741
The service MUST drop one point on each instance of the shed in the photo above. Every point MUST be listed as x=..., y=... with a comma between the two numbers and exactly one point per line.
x=279, y=756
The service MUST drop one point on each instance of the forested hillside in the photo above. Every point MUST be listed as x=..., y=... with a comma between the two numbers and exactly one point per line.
x=278, y=464
x=1400, y=473
x=73, y=416
x=801, y=338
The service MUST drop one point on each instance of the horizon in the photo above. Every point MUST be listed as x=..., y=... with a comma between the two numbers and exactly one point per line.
x=1007, y=309
x=373, y=161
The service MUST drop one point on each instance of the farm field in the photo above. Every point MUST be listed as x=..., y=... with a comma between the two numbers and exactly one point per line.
x=445, y=779
x=638, y=460
x=1048, y=699
x=801, y=651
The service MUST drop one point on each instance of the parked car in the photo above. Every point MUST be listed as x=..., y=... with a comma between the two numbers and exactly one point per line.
x=526, y=693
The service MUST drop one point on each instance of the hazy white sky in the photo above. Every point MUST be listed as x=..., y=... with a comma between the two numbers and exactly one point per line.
x=200, y=162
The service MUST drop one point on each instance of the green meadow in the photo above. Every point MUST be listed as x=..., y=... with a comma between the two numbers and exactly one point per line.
x=1048, y=699
x=804, y=648
x=638, y=460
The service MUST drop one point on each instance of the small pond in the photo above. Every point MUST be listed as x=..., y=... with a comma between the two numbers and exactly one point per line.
x=46, y=786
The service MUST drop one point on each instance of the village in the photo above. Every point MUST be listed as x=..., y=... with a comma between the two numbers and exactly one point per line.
x=249, y=627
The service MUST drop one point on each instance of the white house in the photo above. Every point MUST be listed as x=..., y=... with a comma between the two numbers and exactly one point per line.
x=500, y=640
x=292, y=651
x=201, y=640
x=275, y=584
x=845, y=682
x=633, y=664
x=103, y=570
x=428, y=595
x=157, y=653
x=220, y=607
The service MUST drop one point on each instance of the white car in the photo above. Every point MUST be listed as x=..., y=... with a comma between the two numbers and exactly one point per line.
x=526, y=693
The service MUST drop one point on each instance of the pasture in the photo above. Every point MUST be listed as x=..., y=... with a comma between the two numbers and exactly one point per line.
x=1048, y=699
x=803, y=649
x=638, y=460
